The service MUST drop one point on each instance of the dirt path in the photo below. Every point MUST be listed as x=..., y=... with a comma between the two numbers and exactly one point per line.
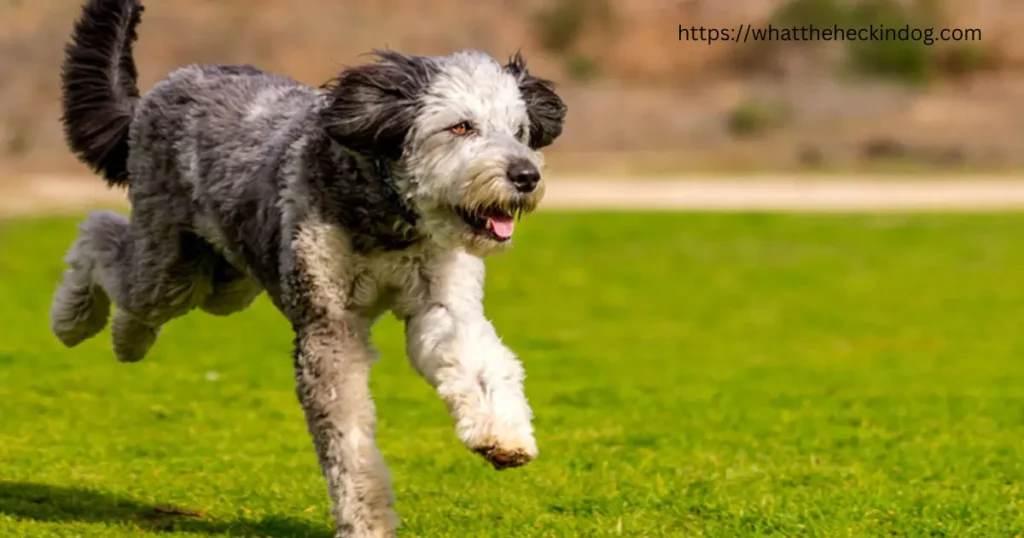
x=802, y=194
x=61, y=195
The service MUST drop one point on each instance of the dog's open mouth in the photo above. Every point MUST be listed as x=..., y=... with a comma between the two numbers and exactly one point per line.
x=496, y=222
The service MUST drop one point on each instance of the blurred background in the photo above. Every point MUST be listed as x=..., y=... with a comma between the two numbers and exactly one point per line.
x=641, y=100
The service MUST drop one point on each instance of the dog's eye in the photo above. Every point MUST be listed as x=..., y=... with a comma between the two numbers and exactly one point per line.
x=461, y=129
x=520, y=133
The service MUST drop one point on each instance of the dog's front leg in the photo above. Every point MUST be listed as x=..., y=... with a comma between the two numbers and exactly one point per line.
x=333, y=357
x=480, y=381
x=455, y=348
x=332, y=369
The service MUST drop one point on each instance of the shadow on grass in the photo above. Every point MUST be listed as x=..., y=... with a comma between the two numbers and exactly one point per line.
x=55, y=504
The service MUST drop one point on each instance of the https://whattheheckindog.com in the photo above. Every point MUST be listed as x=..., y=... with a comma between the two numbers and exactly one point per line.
x=747, y=33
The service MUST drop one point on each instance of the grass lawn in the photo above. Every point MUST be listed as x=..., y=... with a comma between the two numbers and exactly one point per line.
x=692, y=375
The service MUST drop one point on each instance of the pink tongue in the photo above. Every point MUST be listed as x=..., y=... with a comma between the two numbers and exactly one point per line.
x=501, y=227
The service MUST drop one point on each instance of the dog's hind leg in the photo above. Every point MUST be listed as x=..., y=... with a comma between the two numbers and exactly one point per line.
x=98, y=271
x=131, y=336
x=80, y=306
x=152, y=274
x=163, y=273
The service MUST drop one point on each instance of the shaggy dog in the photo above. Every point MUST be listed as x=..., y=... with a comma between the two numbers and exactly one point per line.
x=382, y=191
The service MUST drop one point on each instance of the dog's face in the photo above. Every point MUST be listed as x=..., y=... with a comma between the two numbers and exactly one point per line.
x=466, y=132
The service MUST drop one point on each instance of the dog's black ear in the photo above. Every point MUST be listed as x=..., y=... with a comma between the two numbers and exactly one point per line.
x=543, y=105
x=372, y=107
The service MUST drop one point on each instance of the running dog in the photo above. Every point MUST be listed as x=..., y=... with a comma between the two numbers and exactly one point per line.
x=382, y=191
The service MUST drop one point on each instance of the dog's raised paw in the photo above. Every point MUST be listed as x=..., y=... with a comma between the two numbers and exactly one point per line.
x=502, y=458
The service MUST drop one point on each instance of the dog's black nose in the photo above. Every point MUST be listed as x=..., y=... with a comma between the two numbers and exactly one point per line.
x=523, y=175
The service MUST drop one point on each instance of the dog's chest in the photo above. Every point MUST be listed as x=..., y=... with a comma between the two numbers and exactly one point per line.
x=379, y=280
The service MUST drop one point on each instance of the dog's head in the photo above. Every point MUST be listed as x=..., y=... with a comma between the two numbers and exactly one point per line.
x=465, y=132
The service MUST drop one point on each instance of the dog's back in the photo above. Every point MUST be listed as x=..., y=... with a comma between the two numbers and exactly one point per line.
x=209, y=124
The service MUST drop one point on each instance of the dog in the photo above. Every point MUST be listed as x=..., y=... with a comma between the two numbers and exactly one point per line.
x=384, y=190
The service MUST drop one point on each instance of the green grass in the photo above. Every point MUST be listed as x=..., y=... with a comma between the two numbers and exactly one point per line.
x=692, y=375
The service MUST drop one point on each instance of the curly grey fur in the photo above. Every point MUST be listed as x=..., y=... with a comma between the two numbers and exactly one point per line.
x=341, y=203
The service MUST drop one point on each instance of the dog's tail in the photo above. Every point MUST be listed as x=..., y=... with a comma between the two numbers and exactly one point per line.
x=99, y=86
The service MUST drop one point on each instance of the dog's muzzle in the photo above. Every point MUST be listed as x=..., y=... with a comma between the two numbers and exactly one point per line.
x=496, y=219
